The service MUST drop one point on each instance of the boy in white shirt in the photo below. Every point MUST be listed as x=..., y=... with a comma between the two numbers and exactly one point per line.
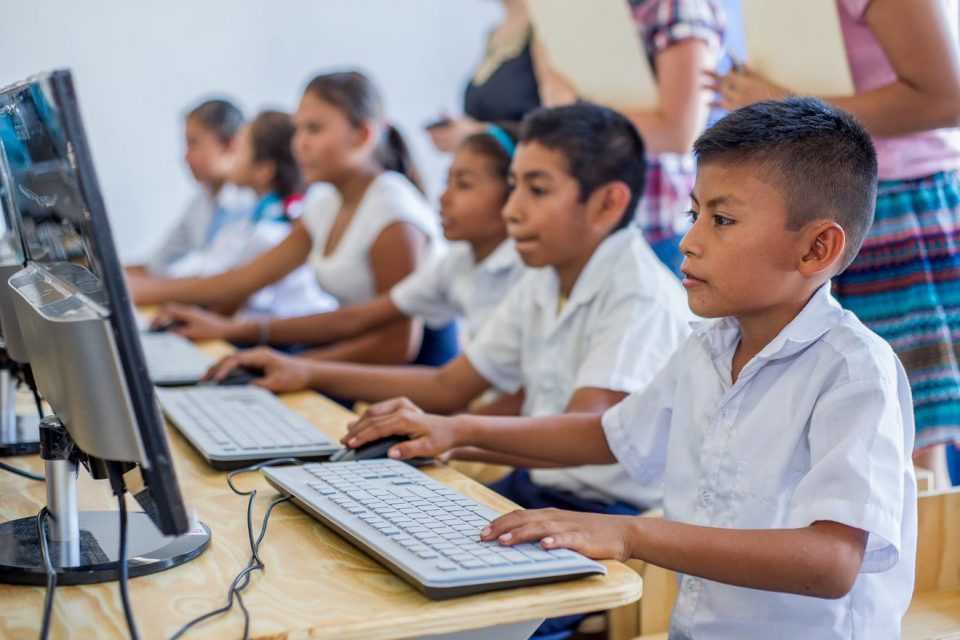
x=594, y=318
x=782, y=430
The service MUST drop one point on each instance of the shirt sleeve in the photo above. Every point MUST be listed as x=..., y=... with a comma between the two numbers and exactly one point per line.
x=670, y=22
x=854, y=8
x=424, y=293
x=860, y=471
x=638, y=427
x=635, y=336
x=496, y=351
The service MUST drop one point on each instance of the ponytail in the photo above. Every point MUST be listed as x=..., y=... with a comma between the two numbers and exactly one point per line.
x=394, y=155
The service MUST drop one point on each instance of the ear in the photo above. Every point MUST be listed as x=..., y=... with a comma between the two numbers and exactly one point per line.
x=823, y=245
x=366, y=133
x=607, y=204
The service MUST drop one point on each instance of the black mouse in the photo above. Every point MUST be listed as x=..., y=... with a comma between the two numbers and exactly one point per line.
x=241, y=376
x=167, y=326
x=369, y=451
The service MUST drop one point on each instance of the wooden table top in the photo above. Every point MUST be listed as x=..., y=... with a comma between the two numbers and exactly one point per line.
x=315, y=584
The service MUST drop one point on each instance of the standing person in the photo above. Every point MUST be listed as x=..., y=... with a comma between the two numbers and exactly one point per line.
x=905, y=283
x=682, y=39
x=503, y=88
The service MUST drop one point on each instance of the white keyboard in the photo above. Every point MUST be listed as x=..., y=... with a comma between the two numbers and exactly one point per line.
x=173, y=360
x=237, y=426
x=424, y=531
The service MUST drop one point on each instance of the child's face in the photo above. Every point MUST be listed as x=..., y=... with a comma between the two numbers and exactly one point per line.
x=247, y=172
x=326, y=144
x=544, y=214
x=471, y=207
x=209, y=159
x=740, y=258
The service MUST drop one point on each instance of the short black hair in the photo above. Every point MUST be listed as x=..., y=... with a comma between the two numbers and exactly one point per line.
x=600, y=145
x=819, y=157
x=219, y=116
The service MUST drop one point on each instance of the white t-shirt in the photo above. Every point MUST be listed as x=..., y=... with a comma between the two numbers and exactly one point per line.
x=626, y=315
x=241, y=240
x=456, y=286
x=819, y=426
x=193, y=232
x=347, y=273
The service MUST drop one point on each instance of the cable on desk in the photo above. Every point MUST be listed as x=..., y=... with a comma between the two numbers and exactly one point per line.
x=50, y=571
x=125, y=568
x=21, y=472
x=242, y=581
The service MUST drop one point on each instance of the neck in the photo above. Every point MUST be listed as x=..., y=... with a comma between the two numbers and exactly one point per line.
x=216, y=186
x=353, y=186
x=758, y=330
x=483, y=248
x=516, y=10
x=569, y=272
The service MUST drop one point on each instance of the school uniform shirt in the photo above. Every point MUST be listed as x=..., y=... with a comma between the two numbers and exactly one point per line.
x=347, y=273
x=818, y=426
x=200, y=223
x=245, y=238
x=457, y=286
x=624, y=318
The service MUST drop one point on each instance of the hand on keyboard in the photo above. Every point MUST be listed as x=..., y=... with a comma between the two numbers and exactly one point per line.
x=430, y=435
x=597, y=536
x=280, y=373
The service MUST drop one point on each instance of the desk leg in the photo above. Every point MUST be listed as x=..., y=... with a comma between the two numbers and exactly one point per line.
x=515, y=631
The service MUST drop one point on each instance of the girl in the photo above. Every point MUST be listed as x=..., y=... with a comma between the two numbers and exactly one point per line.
x=211, y=131
x=361, y=236
x=467, y=282
x=265, y=164
x=904, y=282
x=682, y=39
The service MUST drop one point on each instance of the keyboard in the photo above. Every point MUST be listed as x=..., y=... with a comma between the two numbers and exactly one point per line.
x=425, y=532
x=234, y=427
x=172, y=360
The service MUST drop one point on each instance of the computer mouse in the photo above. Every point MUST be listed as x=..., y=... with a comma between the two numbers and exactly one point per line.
x=241, y=376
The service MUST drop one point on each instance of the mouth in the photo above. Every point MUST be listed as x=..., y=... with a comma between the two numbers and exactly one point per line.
x=690, y=281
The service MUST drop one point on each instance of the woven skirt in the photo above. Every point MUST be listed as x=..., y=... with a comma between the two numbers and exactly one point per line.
x=905, y=285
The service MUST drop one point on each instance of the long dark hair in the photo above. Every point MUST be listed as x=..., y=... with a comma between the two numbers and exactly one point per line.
x=355, y=95
x=270, y=135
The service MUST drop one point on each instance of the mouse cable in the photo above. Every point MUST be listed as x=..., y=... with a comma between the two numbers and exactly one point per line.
x=242, y=581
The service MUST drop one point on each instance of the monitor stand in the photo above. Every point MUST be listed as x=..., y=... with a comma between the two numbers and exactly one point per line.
x=84, y=545
x=19, y=435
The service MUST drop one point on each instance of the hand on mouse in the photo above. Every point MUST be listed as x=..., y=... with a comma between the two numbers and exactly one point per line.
x=193, y=322
x=281, y=373
x=430, y=435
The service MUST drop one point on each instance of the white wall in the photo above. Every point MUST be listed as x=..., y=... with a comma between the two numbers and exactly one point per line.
x=138, y=65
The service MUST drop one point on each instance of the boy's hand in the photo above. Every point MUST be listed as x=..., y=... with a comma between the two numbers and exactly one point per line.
x=281, y=373
x=430, y=435
x=740, y=88
x=594, y=535
x=193, y=322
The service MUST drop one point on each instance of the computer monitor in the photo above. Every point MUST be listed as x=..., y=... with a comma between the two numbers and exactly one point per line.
x=76, y=320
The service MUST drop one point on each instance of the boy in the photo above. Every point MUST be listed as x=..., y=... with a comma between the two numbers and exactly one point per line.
x=594, y=318
x=782, y=430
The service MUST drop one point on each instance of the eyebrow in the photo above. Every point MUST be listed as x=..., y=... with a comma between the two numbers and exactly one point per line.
x=713, y=203
x=531, y=175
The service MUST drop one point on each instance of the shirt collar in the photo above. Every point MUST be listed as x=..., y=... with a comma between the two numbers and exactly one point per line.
x=270, y=207
x=591, y=278
x=820, y=314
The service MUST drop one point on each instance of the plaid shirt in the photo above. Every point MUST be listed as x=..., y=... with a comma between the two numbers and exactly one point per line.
x=662, y=24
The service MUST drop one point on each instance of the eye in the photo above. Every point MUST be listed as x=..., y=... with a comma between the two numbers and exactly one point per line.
x=538, y=191
x=721, y=220
x=692, y=215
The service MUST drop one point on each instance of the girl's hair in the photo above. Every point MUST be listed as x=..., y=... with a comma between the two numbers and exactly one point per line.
x=271, y=133
x=494, y=148
x=220, y=117
x=358, y=99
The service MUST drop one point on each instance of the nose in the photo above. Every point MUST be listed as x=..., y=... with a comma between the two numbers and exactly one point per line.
x=512, y=209
x=445, y=199
x=690, y=243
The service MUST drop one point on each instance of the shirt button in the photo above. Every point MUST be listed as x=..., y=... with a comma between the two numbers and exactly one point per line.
x=705, y=498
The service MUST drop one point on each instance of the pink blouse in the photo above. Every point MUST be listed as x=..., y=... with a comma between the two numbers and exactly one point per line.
x=903, y=157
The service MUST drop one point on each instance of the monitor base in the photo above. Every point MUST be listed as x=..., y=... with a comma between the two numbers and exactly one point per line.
x=93, y=556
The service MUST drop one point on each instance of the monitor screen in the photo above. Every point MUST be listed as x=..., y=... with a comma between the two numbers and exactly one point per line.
x=58, y=208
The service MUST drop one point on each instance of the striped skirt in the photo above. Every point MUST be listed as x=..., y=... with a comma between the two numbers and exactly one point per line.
x=905, y=285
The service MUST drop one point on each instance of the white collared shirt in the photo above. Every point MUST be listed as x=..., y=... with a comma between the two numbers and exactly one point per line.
x=347, y=273
x=818, y=426
x=625, y=316
x=456, y=286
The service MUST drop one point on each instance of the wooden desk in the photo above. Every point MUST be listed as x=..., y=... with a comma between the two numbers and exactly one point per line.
x=315, y=584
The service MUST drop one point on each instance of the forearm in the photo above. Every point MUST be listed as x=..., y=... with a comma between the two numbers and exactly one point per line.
x=216, y=291
x=349, y=321
x=473, y=454
x=802, y=561
x=663, y=132
x=566, y=439
x=394, y=344
x=503, y=405
x=899, y=109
